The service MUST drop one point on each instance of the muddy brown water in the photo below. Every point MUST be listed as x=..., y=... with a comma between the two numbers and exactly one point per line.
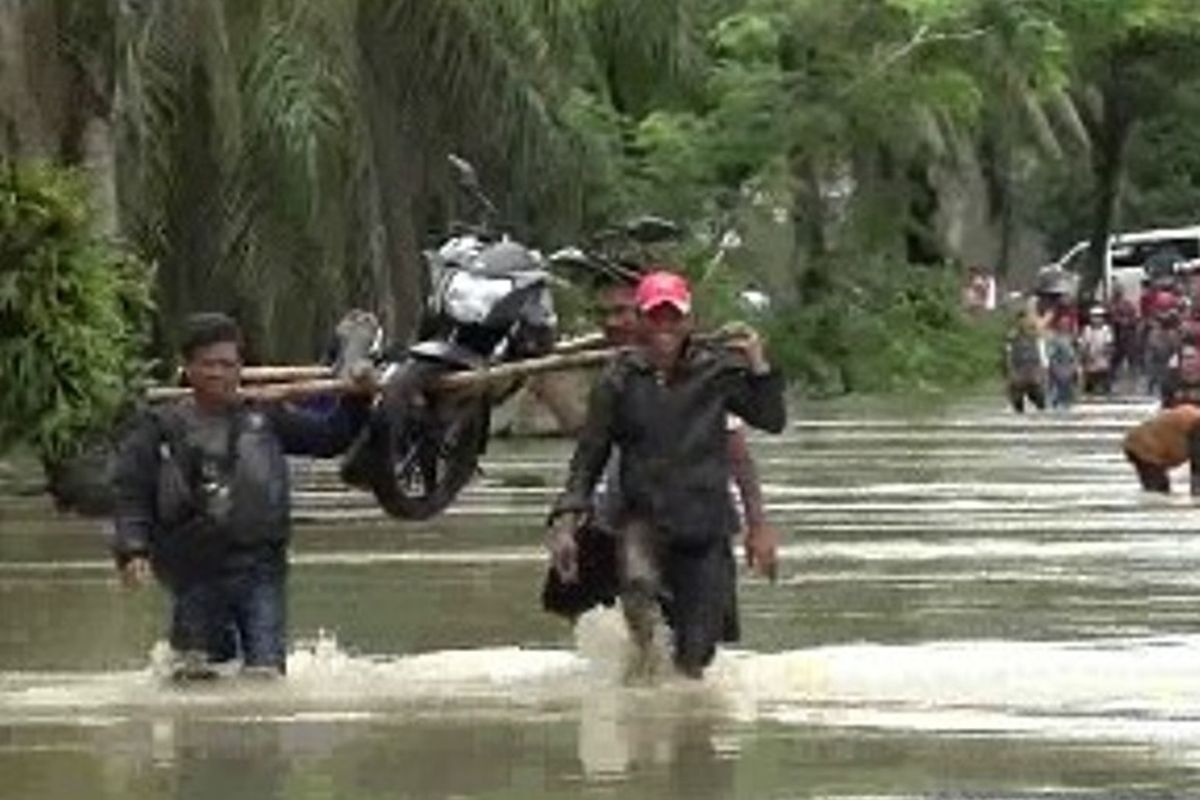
x=971, y=603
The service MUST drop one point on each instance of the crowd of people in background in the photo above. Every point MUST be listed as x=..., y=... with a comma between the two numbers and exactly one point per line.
x=1143, y=343
x=1059, y=350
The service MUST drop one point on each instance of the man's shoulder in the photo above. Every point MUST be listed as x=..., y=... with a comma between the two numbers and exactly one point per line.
x=627, y=361
x=147, y=419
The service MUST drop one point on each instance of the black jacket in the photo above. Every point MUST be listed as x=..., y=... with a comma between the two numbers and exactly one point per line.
x=263, y=434
x=674, y=466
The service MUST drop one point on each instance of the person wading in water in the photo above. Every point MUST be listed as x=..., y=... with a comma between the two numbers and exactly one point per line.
x=1167, y=440
x=598, y=580
x=202, y=500
x=664, y=405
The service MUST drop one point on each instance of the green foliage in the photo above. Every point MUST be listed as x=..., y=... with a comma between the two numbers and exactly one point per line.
x=886, y=329
x=282, y=159
x=73, y=315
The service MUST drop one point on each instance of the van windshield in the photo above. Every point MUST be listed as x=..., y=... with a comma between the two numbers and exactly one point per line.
x=1136, y=254
x=1076, y=260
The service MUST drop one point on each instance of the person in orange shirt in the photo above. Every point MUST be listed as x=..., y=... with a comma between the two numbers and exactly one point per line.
x=1166, y=440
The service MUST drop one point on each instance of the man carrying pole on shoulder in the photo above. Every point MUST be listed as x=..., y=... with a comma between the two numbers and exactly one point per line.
x=663, y=405
x=202, y=501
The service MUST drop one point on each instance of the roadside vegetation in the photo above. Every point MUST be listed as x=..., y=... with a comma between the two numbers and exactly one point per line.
x=285, y=159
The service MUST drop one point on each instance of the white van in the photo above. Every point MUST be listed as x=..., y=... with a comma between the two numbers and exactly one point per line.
x=1125, y=264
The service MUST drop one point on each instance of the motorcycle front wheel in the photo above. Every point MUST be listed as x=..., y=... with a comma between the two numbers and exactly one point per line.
x=426, y=447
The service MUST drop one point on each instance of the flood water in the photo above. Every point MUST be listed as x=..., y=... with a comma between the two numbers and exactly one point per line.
x=971, y=603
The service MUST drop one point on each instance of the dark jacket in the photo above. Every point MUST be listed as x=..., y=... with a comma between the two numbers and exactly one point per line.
x=158, y=512
x=1175, y=391
x=674, y=467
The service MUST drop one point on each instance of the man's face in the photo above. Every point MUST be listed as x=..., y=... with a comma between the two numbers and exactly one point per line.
x=618, y=315
x=214, y=373
x=664, y=329
x=1189, y=364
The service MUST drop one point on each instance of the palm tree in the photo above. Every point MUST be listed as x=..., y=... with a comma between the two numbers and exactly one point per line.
x=285, y=157
x=282, y=159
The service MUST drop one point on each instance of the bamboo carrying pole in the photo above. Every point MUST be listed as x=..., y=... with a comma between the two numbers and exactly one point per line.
x=576, y=356
x=454, y=381
x=311, y=372
x=278, y=373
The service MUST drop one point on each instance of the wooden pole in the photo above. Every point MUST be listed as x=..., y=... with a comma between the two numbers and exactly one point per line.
x=454, y=381
x=589, y=341
x=475, y=379
x=280, y=373
x=266, y=392
x=276, y=374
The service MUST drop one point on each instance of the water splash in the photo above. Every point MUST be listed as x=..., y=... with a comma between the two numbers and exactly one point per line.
x=1135, y=688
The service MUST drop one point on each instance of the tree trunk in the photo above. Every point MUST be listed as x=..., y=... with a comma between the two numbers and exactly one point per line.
x=809, y=244
x=1111, y=140
x=50, y=107
x=996, y=162
x=398, y=168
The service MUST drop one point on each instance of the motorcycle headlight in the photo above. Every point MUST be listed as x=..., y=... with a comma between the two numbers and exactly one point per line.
x=469, y=298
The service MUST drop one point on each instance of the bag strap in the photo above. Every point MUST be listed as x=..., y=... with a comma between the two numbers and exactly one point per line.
x=236, y=425
x=173, y=436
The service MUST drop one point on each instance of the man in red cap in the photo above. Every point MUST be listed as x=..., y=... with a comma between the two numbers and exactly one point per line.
x=617, y=313
x=664, y=405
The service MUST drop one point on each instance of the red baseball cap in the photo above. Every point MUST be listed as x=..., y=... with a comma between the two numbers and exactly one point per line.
x=662, y=287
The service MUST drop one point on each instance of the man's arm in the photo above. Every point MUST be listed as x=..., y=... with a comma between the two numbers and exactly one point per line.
x=745, y=477
x=757, y=396
x=302, y=431
x=1194, y=458
x=758, y=399
x=592, y=448
x=762, y=541
x=591, y=455
x=135, y=486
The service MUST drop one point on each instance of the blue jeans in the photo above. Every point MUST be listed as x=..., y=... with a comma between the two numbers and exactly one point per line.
x=240, y=610
x=1061, y=391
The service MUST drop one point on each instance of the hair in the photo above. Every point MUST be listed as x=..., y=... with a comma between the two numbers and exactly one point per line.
x=609, y=277
x=209, y=328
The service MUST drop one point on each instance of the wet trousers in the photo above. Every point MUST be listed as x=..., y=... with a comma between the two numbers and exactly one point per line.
x=1097, y=382
x=239, y=611
x=693, y=587
x=1126, y=351
x=1019, y=391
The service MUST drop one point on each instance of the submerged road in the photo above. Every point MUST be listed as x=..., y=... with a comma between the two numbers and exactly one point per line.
x=970, y=603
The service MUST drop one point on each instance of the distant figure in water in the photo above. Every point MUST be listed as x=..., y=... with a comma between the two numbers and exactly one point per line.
x=665, y=404
x=1096, y=344
x=1165, y=441
x=202, y=501
x=1126, y=321
x=1025, y=362
x=1183, y=380
x=1064, y=370
x=1162, y=341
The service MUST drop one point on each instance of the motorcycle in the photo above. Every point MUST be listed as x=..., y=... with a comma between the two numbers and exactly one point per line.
x=489, y=302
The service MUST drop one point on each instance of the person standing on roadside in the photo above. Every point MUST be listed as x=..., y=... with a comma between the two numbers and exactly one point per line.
x=664, y=404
